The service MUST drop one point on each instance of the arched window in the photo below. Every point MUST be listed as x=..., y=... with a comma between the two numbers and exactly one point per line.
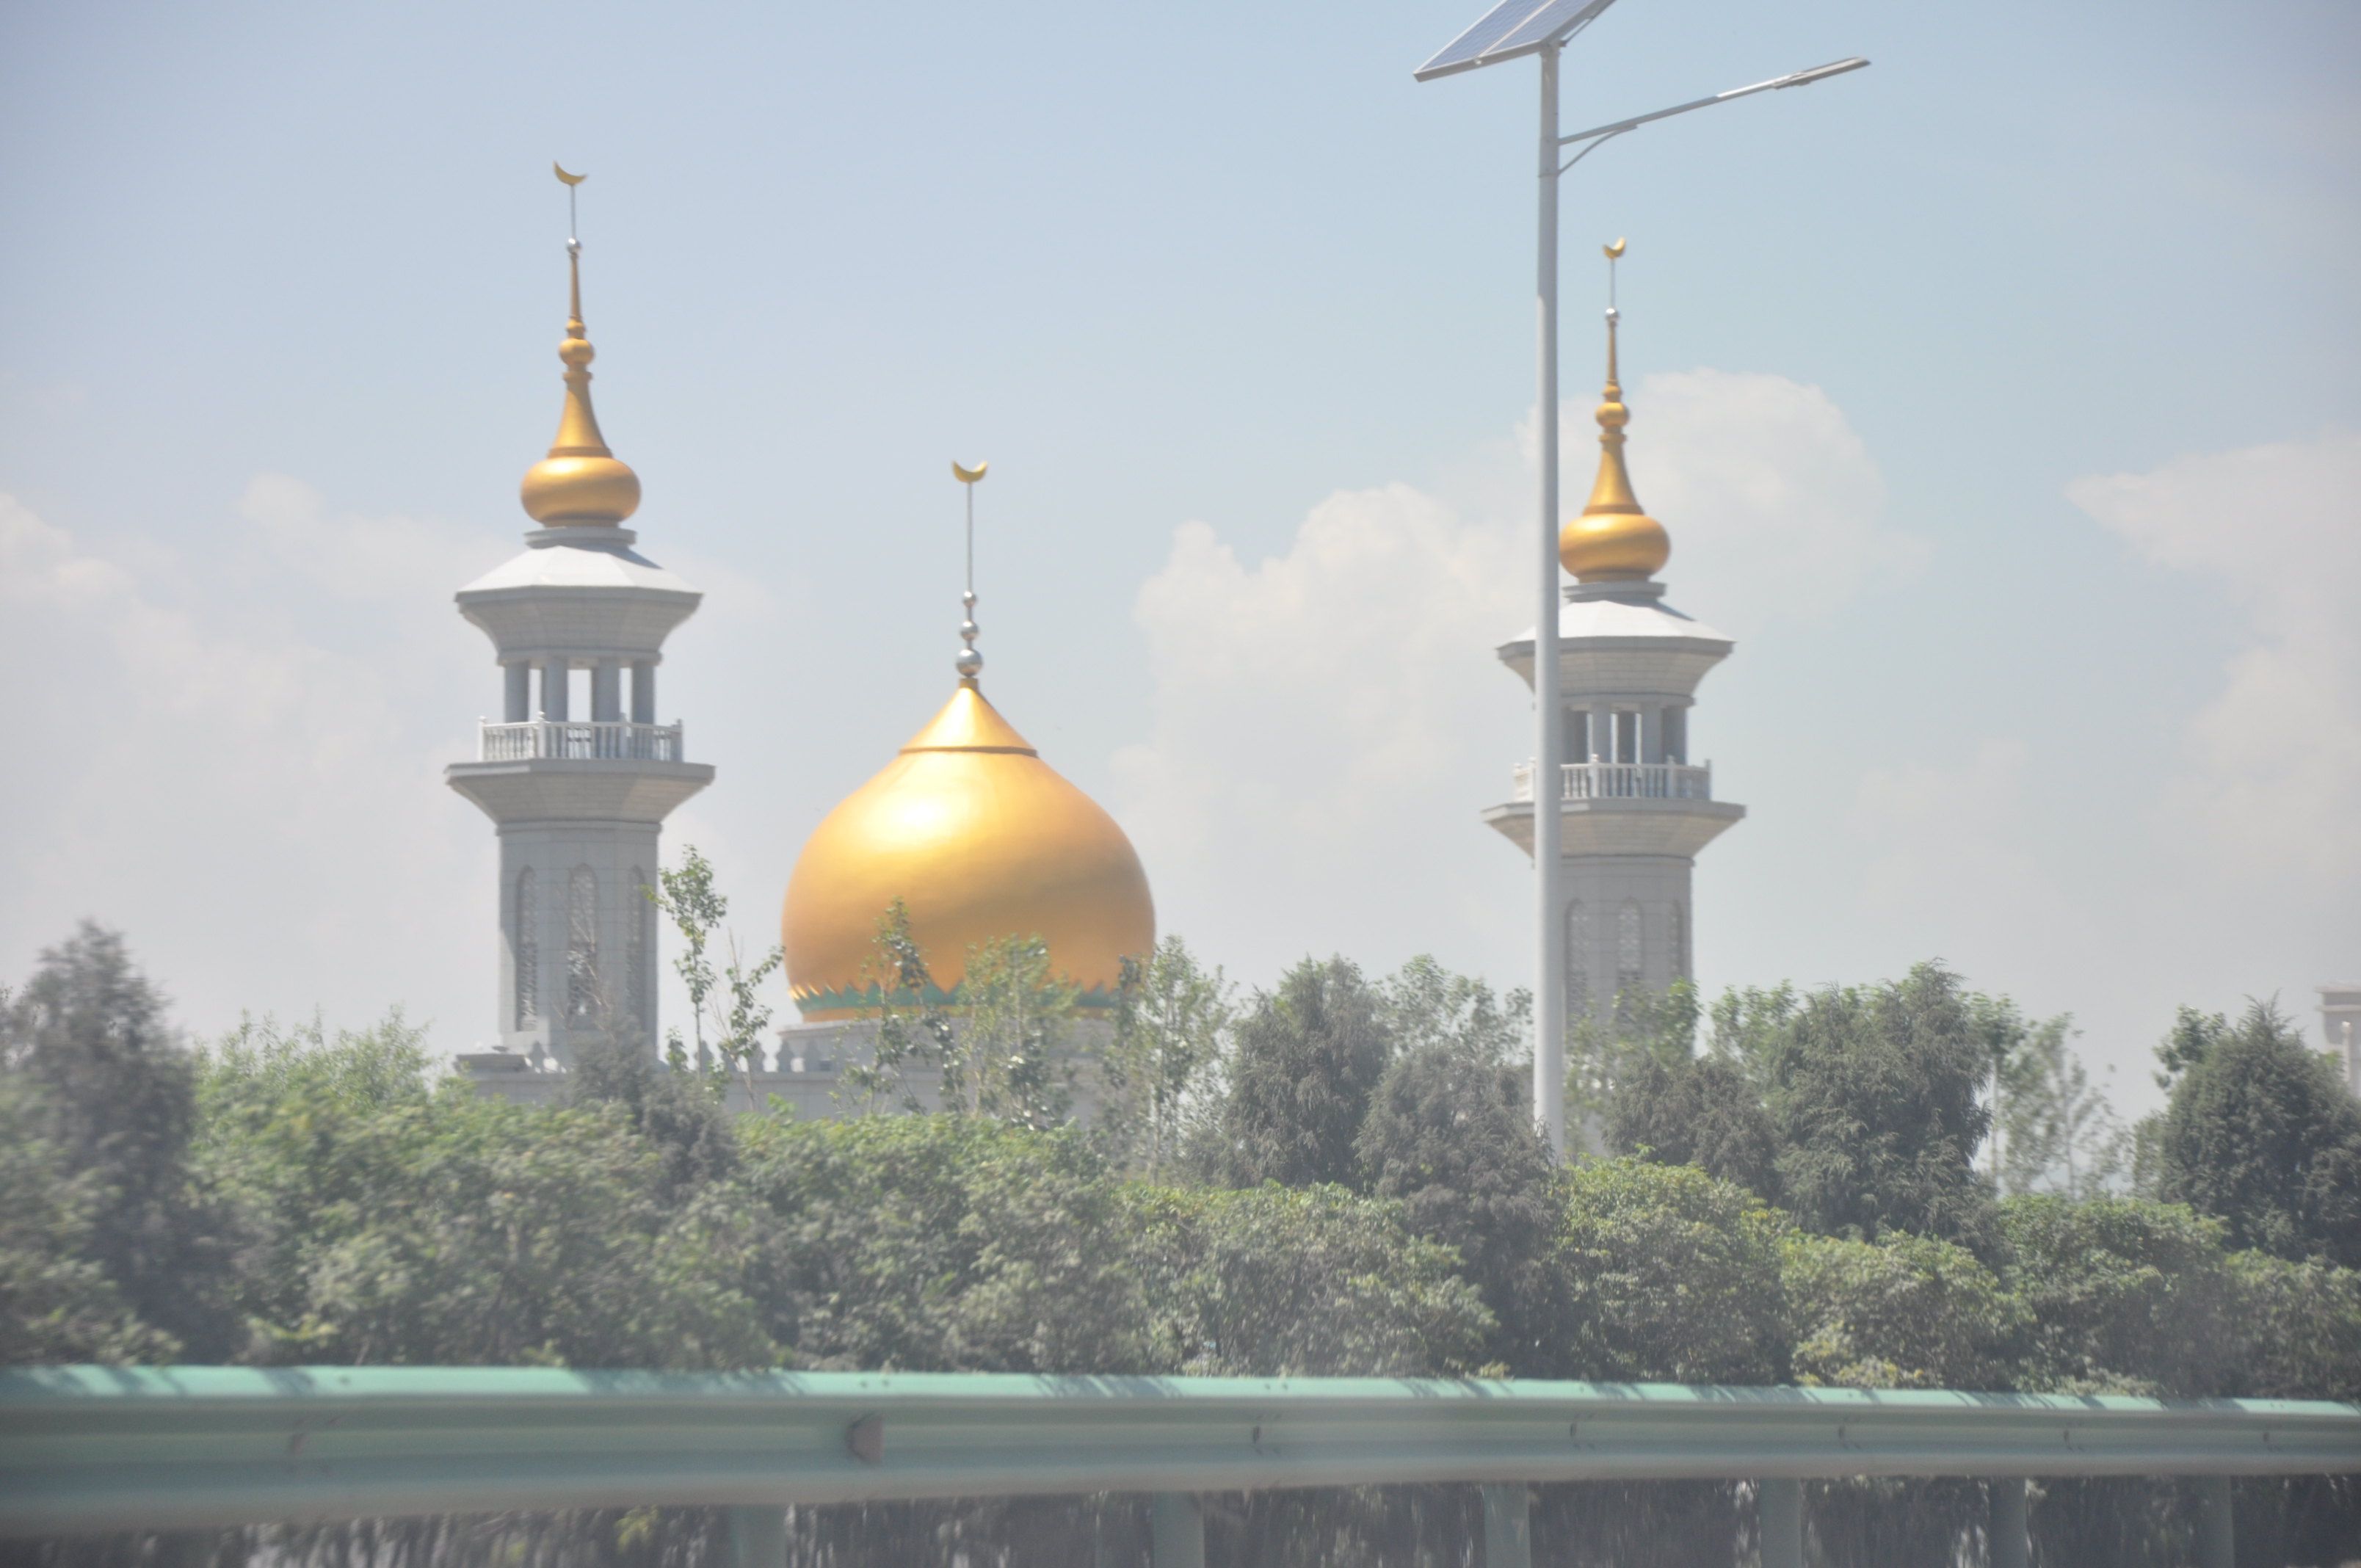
x=525, y=943
x=582, y=946
x=1627, y=945
x=1680, y=942
x=1578, y=960
x=636, y=919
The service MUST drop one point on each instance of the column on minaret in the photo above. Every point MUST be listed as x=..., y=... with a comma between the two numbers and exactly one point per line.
x=1602, y=731
x=607, y=691
x=517, y=707
x=643, y=691
x=557, y=676
x=1652, y=733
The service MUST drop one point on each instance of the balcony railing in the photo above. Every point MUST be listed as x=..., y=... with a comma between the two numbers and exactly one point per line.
x=596, y=741
x=1624, y=780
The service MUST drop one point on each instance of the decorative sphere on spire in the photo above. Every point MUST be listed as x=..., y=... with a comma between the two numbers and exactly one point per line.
x=580, y=483
x=1613, y=539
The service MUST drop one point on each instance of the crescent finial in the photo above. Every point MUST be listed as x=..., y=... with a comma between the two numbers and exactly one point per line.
x=1613, y=251
x=969, y=476
x=569, y=179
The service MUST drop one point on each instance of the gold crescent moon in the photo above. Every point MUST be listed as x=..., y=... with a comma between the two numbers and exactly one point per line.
x=969, y=476
x=569, y=179
x=1613, y=251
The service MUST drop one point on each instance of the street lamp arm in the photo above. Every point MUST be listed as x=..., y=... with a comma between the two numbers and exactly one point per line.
x=1603, y=137
x=1793, y=79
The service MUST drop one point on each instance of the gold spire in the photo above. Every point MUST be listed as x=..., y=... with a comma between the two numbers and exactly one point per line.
x=580, y=482
x=1613, y=538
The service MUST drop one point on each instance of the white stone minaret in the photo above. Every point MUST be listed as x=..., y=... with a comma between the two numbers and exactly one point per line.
x=1636, y=809
x=578, y=774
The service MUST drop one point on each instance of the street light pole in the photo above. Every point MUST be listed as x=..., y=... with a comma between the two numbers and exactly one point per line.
x=1549, y=866
x=1511, y=30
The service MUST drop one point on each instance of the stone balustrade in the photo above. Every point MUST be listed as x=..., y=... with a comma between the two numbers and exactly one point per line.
x=579, y=741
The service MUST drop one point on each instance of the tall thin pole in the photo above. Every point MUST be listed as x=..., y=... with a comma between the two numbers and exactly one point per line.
x=1549, y=988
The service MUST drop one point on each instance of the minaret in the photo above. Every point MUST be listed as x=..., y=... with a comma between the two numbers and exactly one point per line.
x=1635, y=810
x=580, y=789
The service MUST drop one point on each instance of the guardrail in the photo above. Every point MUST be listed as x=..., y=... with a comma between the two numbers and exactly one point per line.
x=88, y=1448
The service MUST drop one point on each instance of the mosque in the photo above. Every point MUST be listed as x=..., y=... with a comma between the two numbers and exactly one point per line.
x=967, y=827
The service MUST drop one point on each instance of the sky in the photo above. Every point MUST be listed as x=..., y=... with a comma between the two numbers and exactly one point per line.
x=2000, y=400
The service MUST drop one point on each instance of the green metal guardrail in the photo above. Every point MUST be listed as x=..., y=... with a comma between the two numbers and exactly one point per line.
x=85, y=1448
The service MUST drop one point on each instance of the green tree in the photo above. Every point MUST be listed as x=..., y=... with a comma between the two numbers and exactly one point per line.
x=730, y=1000
x=107, y=1086
x=1749, y=1023
x=941, y=1242
x=2301, y=1327
x=1672, y=1277
x=2053, y=1131
x=914, y=1027
x=56, y=1302
x=1876, y=1100
x=2260, y=1133
x=1907, y=1313
x=1449, y=1133
x=1010, y=1059
x=997, y=1049
x=1173, y=1017
x=1700, y=1111
x=1301, y=1282
x=1646, y=1028
x=2122, y=1295
x=403, y=1223
x=1305, y=1058
x=679, y=1113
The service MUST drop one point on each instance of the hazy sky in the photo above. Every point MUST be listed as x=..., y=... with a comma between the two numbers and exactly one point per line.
x=2001, y=401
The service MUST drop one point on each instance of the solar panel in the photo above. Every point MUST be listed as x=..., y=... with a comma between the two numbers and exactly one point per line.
x=1511, y=28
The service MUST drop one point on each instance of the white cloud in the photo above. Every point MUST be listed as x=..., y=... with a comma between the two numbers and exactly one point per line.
x=2270, y=777
x=1967, y=855
x=1775, y=507
x=1328, y=724
x=224, y=751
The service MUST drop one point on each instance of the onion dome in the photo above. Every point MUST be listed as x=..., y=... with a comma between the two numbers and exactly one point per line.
x=580, y=482
x=980, y=839
x=1613, y=538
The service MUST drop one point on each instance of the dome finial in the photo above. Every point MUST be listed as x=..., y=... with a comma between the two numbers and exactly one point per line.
x=970, y=662
x=1613, y=538
x=580, y=482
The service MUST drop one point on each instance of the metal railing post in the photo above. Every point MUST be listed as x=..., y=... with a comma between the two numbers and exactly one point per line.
x=1779, y=1520
x=2012, y=1532
x=1176, y=1530
x=758, y=1538
x=2217, y=1535
x=1508, y=1527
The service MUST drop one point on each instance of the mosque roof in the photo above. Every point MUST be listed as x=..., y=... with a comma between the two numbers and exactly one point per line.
x=980, y=839
x=563, y=566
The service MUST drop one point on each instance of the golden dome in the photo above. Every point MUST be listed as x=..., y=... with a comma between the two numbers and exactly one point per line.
x=1613, y=538
x=980, y=839
x=580, y=482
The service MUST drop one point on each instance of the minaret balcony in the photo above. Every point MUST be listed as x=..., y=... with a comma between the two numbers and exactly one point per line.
x=1622, y=781
x=567, y=741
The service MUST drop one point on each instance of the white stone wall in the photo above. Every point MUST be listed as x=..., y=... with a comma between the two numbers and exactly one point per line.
x=619, y=990
x=1626, y=915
